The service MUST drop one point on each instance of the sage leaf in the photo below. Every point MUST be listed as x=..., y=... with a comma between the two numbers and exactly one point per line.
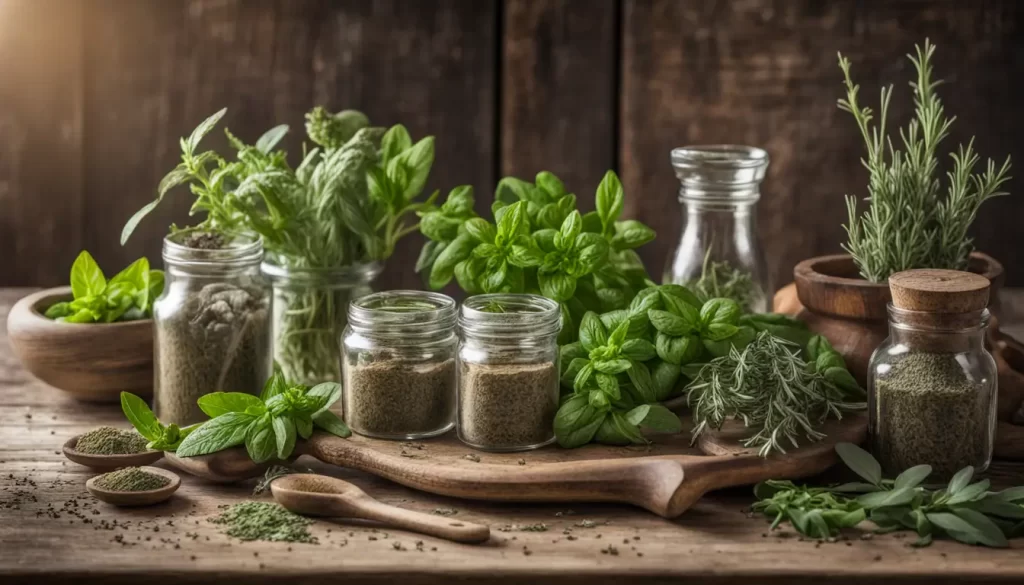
x=270, y=138
x=860, y=462
x=883, y=499
x=332, y=423
x=86, y=277
x=969, y=493
x=960, y=480
x=913, y=477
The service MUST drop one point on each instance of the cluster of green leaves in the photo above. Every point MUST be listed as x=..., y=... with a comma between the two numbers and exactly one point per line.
x=908, y=223
x=538, y=243
x=127, y=296
x=965, y=511
x=722, y=280
x=161, y=437
x=350, y=200
x=268, y=424
x=767, y=385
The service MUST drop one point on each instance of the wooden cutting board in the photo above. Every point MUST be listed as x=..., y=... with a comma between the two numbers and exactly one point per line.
x=666, y=477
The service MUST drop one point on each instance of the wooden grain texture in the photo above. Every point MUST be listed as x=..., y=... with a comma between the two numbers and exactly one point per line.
x=41, y=130
x=156, y=68
x=764, y=73
x=52, y=531
x=559, y=91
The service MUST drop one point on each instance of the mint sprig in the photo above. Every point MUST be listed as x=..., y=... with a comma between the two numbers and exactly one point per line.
x=128, y=296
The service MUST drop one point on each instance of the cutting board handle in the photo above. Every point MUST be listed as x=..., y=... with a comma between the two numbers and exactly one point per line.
x=651, y=483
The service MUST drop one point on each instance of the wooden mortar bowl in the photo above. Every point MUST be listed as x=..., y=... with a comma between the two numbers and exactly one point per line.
x=834, y=301
x=92, y=362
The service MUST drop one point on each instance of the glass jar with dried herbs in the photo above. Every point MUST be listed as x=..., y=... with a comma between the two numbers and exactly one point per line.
x=932, y=384
x=210, y=323
x=398, y=360
x=309, y=315
x=508, y=371
x=718, y=255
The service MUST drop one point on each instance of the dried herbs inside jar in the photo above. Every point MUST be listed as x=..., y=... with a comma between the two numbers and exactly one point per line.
x=211, y=322
x=131, y=479
x=111, y=441
x=390, y=397
x=934, y=413
x=507, y=406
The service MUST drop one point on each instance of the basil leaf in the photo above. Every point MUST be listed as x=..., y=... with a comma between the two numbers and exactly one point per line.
x=439, y=228
x=677, y=350
x=720, y=311
x=142, y=418
x=86, y=277
x=592, y=332
x=616, y=430
x=551, y=184
x=679, y=292
x=417, y=162
x=579, y=384
x=570, y=351
x=326, y=394
x=592, y=223
x=571, y=227
x=860, y=462
x=511, y=224
x=396, y=140
x=261, y=441
x=609, y=385
x=644, y=301
x=444, y=267
x=618, y=336
x=661, y=419
x=631, y=234
x=481, y=230
x=668, y=323
x=664, y=375
x=218, y=403
x=609, y=199
x=227, y=430
x=58, y=310
x=303, y=425
x=844, y=380
x=640, y=350
x=576, y=422
x=545, y=240
x=556, y=286
x=640, y=376
x=614, y=366
x=284, y=436
x=331, y=423
x=720, y=331
x=572, y=370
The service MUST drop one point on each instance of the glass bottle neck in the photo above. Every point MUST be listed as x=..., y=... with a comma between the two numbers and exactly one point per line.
x=937, y=332
x=241, y=254
x=510, y=320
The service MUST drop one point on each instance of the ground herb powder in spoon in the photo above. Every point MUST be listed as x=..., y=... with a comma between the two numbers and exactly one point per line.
x=264, y=521
x=111, y=441
x=131, y=479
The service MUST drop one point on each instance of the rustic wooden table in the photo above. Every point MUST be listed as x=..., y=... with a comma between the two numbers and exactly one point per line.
x=52, y=531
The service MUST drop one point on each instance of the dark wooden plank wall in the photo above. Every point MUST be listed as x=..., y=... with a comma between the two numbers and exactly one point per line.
x=94, y=93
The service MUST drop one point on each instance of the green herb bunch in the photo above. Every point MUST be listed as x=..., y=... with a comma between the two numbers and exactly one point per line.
x=267, y=425
x=908, y=223
x=964, y=511
x=722, y=280
x=667, y=342
x=349, y=201
x=128, y=296
x=538, y=243
x=772, y=389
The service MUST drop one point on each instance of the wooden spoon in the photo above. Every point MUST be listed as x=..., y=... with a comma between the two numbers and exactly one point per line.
x=143, y=498
x=655, y=483
x=109, y=462
x=319, y=495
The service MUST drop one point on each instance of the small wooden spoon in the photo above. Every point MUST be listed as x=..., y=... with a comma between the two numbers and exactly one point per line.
x=319, y=495
x=109, y=462
x=143, y=498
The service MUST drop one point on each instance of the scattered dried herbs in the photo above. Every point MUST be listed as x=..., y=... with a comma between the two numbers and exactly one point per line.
x=264, y=521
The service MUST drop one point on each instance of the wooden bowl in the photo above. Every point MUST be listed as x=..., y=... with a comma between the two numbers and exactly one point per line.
x=109, y=462
x=849, y=311
x=93, y=362
x=143, y=498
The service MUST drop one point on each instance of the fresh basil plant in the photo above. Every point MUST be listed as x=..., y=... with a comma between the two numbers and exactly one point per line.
x=128, y=296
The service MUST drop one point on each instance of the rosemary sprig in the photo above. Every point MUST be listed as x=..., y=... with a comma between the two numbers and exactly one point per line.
x=769, y=387
x=908, y=223
x=722, y=280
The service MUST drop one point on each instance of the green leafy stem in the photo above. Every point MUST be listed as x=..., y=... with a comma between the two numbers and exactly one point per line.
x=964, y=511
x=268, y=425
x=128, y=296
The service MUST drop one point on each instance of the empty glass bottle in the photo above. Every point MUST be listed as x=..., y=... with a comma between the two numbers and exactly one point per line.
x=718, y=254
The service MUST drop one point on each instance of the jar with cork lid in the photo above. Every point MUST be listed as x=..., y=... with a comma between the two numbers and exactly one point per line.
x=932, y=384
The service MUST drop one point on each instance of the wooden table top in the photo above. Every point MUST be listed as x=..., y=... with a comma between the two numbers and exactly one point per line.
x=52, y=530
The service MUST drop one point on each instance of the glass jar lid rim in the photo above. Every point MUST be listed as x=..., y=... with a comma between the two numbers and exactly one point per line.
x=355, y=273
x=422, y=304
x=731, y=156
x=938, y=322
x=243, y=249
x=510, y=313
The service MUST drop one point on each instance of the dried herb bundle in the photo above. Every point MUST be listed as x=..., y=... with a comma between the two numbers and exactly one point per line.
x=908, y=223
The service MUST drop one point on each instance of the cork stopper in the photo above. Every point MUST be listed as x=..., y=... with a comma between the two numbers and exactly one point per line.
x=939, y=291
